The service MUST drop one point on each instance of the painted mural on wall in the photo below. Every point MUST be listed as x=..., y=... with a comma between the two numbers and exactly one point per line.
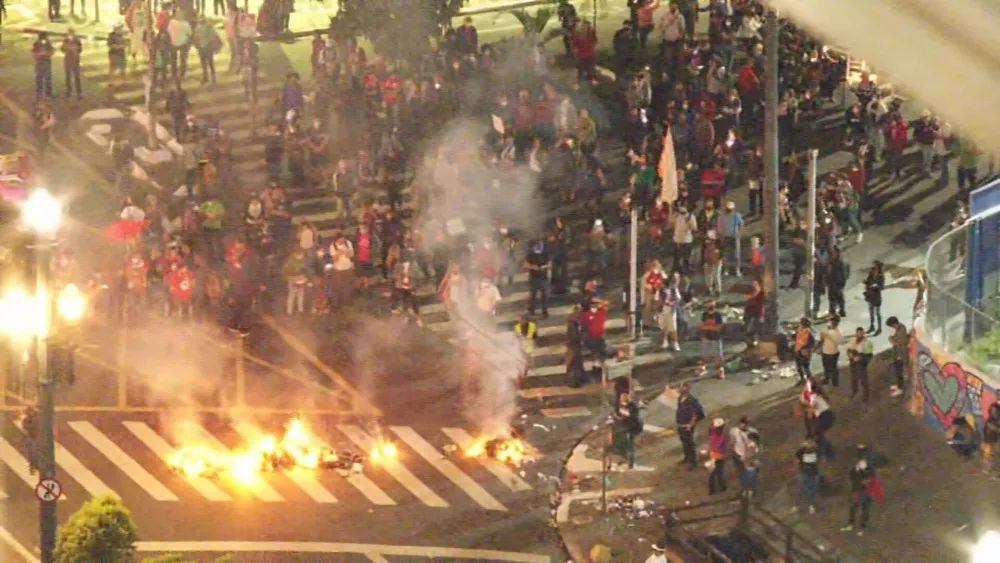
x=943, y=389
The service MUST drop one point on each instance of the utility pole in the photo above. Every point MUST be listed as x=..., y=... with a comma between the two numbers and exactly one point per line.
x=811, y=235
x=45, y=445
x=770, y=187
x=633, y=273
x=150, y=76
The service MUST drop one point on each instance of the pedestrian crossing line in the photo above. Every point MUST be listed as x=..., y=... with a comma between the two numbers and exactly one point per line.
x=259, y=488
x=565, y=412
x=362, y=483
x=502, y=471
x=126, y=463
x=398, y=472
x=165, y=451
x=78, y=471
x=19, y=464
x=300, y=477
x=431, y=454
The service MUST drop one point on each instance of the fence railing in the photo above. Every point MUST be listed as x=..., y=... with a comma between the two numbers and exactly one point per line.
x=967, y=330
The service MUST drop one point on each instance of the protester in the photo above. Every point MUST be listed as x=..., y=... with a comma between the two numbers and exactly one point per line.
x=809, y=479
x=829, y=345
x=689, y=413
x=718, y=452
x=900, y=341
x=859, y=352
x=865, y=488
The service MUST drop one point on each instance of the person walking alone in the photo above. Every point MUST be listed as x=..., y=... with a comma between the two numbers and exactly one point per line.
x=42, y=51
x=900, y=341
x=865, y=488
x=803, y=347
x=208, y=43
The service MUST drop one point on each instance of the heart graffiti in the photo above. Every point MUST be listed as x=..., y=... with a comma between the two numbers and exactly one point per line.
x=944, y=388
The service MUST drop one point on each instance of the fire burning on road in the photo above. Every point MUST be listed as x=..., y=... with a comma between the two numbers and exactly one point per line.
x=511, y=450
x=296, y=449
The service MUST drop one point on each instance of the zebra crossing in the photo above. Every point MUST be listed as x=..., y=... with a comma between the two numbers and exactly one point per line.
x=130, y=459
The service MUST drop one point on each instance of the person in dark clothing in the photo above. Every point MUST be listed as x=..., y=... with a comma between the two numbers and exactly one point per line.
x=558, y=244
x=837, y=274
x=864, y=489
x=624, y=47
x=819, y=283
x=575, y=336
x=568, y=19
x=798, y=244
x=71, y=48
x=689, y=413
x=41, y=51
x=538, y=262
x=991, y=440
x=177, y=106
x=874, y=284
x=808, y=458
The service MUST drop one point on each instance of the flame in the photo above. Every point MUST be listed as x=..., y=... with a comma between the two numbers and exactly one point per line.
x=296, y=449
x=511, y=450
x=383, y=452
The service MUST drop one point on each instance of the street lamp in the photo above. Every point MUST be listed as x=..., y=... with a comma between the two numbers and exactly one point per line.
x=26, y=316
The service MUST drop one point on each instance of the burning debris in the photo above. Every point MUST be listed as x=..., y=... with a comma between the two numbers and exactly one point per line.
x=297, y=448
x=510, y=449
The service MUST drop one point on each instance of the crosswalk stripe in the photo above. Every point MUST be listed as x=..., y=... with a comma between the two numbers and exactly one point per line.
x=565, y=412
x=300, y=477
x=16, y=462
x=129, y=466
x=363, y=484
x=447, y=468
x=19, y=464
x=260, y=489
x=395, y=469
x=79, y=472
x=502, y=471
x=541, y=392
x=164, y=451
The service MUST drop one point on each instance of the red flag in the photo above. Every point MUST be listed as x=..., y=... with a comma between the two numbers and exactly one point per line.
x=667, y=170
x=125, y=230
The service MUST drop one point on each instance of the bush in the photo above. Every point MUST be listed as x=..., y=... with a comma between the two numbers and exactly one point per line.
x=102, y=530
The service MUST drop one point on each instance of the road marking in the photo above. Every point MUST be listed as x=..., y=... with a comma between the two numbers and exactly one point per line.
x=376, y=558
x=298, y=476
x=17, y=546
x=165, y=451
x=305, y=351
x=19, y=464
x=562, y=513
x=362, y=483
x=447, y=468
x=78, y=471
x=395, y=469
x=502, y=471
x=331, y=547
x=565, y=412
x=564, y=391
x=129, y=466
x=260, y=488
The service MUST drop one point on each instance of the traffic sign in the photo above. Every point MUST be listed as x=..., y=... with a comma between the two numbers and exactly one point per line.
x=48, y=490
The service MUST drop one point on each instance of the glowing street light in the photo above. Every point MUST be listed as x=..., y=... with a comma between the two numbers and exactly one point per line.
x=987, y=550
x=42, y=212
x=71, y=304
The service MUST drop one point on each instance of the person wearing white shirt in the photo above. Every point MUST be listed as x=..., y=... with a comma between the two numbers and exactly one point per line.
x=739, y=440
x=829, y=345
x=487, y=297
x=658, y=556
x=685, y=226
x=672, y=32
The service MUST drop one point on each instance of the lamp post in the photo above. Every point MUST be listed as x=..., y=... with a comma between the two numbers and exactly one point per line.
x=42, y=213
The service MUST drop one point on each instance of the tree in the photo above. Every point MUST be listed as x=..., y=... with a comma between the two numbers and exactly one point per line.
x=533, y=25
x=102, y=530
x=398, y=29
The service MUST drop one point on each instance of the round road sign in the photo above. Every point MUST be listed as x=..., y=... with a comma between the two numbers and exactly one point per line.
x=48, y=490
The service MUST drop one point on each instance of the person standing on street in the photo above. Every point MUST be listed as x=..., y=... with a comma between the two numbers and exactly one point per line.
x=689, y=413
x=718, y=451
x=803, y=347
x=874, y=284
x=837, y=272
x=177, y=106
x=180, y=45
x=42, y=51
x=865, y=487
x=575, y=336
x=808, y=458
x=730, y=227
x=231, y=24
x=71, y=48
x=538, y=264
x=626, y=425
x=991, y=441
x=900, y=341
x=829, y=344
x=208, y=43
x=859, y=353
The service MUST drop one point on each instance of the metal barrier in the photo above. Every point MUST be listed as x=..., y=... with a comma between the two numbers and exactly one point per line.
x=968, y=331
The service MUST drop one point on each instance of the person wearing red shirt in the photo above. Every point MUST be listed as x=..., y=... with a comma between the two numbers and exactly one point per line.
x=749, y=87
x=753, y=313
x=713, y=182
x=644, y=17
x=899, y=136
x=136, y=281
x=594, y=318
x=585, y=49
x=181, y=281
